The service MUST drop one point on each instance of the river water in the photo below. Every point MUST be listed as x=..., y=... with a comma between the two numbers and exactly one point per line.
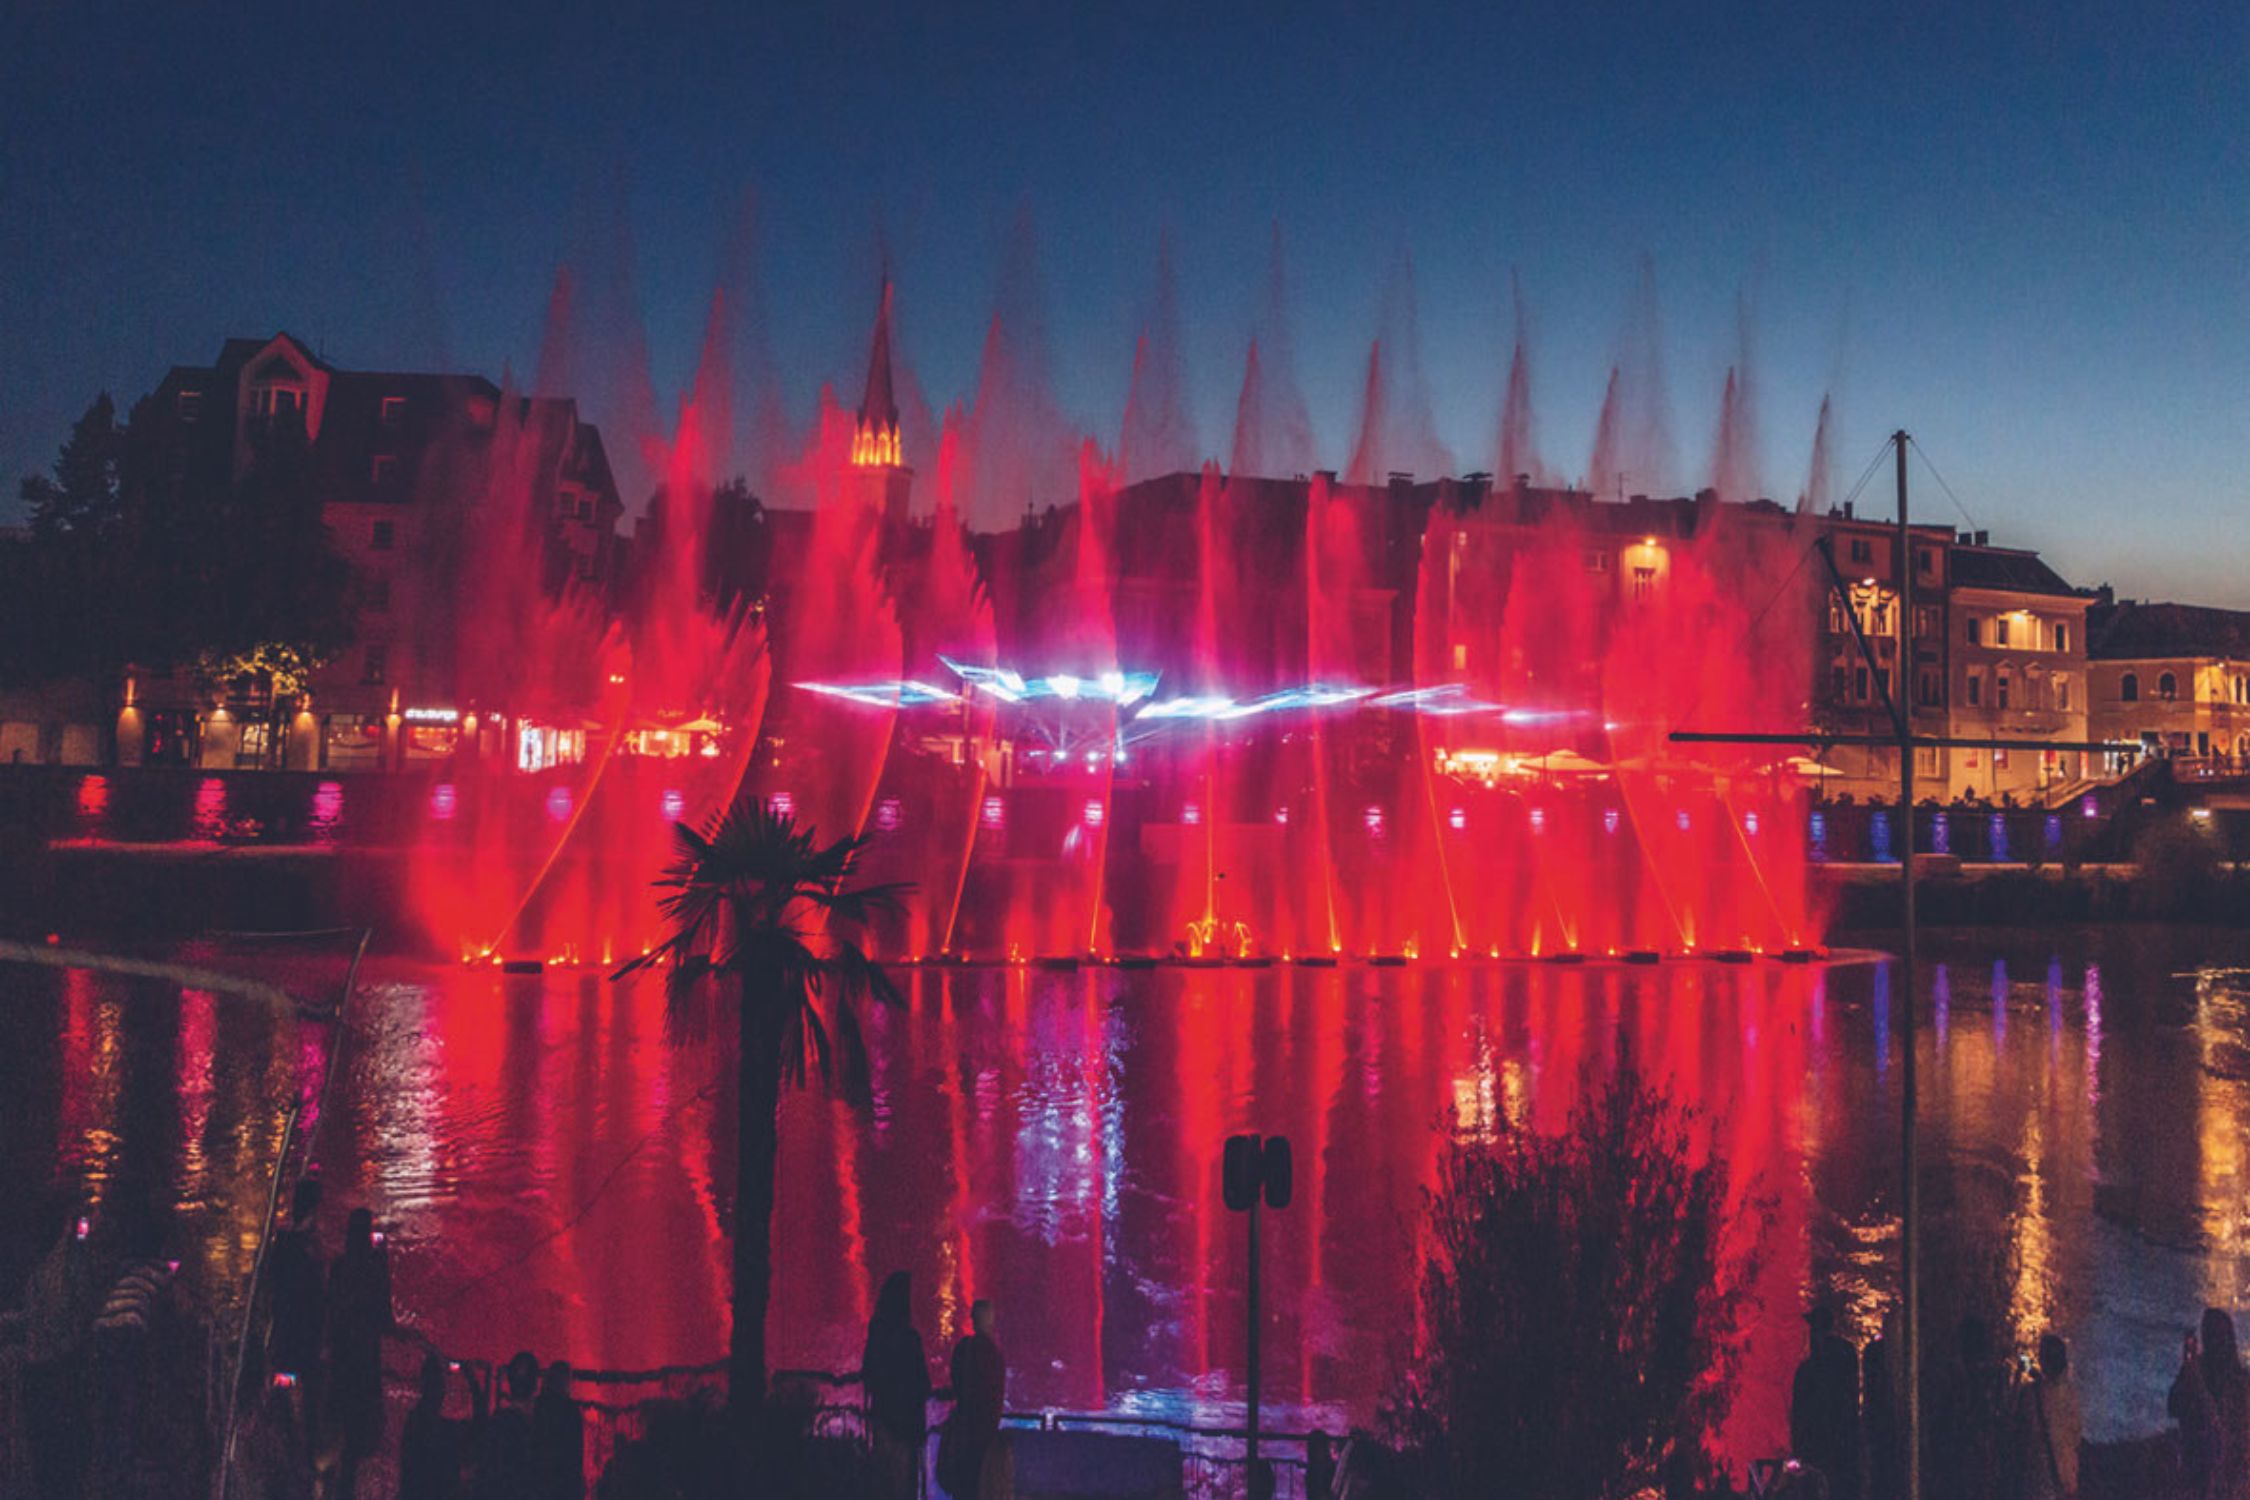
x=552, y=1173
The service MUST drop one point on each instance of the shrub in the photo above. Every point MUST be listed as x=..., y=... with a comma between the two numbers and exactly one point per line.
x=1581, y=1303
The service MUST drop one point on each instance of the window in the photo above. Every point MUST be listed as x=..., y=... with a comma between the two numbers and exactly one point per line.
x=375, y=662
x=191, y=405
x=1927, y=693
x=2129, y=688
x=1999, y=760
x=1925, y=561
x=1644, y=582
x=586, y=570
x=2000, y=685
x=1999, y=630
x=276, y=400
x=1861, y=551
x=2167, y=687
x=383, y=535
x=1835, y=615
x=1837, y=681
x=1925, y=760
x=1597, y=561
x=394, y=410
x=1460, y=656
x=1925, y=622
x=2062, y=635
x=385, y=468
x=1973, y=627
x=1976, y=689
x=1859, y=685
x=2062, y=693
x=1883, y=683
x=379, y=595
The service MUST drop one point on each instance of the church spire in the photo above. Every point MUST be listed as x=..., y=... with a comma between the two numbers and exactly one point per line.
x=875, y=441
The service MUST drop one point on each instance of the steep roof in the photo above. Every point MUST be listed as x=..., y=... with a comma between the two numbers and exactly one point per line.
x=879, y=407
x=2007, y=569
x=2136, y=631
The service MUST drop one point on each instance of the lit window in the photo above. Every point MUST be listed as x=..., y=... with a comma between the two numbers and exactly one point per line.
x=383, y=535
x=394, y=410
x=1644, y=582
x=191, y=405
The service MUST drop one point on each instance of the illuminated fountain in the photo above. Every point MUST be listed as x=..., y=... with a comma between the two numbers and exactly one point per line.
x=1201, y=717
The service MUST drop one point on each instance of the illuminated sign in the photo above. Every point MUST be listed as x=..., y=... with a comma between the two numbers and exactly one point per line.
x=433, y=716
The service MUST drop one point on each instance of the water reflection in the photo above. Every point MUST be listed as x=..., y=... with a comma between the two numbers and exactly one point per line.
x=556, y=1175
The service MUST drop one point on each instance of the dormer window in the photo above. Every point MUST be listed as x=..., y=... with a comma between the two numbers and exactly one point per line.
x=385, y=469
x=394, y=410
x=270, y=401
x=191, y=405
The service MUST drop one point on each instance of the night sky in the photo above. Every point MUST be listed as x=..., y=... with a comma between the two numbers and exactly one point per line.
x=2022, y=232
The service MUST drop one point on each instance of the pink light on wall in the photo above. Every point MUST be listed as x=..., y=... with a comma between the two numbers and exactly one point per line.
x=558, y=803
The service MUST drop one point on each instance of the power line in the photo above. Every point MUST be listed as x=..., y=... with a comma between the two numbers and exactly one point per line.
x=1940, y=478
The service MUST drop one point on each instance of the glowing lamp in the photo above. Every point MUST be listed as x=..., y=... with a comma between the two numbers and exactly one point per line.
x=558, y=803
x=674, y=804
x=995, y=812
x=1459, y=819
x=1094, y=814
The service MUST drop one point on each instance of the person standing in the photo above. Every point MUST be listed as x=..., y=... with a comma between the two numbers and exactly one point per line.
x=1824, y=1406
x=2201, y=1446
x=431, y=1445
x=2051, y=1425
x=558, y=1437
x=1881, y=1419
x=505, y=1465
x=894, y=1373
x=359, y=1317
x=59, y=1304
x=295, y=1320
x=1320, y=1467
x=980, y=1380
x=2224, y=1378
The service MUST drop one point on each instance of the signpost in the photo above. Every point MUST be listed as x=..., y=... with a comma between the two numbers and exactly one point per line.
x=1257, y=1171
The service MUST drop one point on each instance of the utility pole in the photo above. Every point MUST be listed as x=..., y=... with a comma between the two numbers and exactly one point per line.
x=1909, y=1152
x=1898, y=698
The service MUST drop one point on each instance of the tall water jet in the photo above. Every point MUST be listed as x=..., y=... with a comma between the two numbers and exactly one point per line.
x=1820, y=480
x=1159, y=432
x=1024, y=450
x=1517, y=451
x=1273, y=430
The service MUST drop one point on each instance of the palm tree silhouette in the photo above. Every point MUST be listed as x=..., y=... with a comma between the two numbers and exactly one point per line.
x=761, y=915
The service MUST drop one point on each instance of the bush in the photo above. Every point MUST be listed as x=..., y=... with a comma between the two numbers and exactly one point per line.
x=1581, y=1304
x=2177, y=864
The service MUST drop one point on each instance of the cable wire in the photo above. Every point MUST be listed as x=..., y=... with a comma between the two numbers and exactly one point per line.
x=1940, y=478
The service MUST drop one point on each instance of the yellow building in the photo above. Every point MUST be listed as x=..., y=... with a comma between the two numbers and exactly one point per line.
x=2018, y=663
x=2173, y=678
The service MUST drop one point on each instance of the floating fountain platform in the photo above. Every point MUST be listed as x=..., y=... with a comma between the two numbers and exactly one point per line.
x=1731, y=956
x=1317, y=961
x=1801, y=955
x=1255, y=961
x=1063, y=963
x=524, y=966
x=1387, y=961
x=1569, y=956
x=1642, y=956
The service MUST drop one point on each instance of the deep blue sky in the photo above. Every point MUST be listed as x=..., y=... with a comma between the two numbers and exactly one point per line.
x=2022, y=232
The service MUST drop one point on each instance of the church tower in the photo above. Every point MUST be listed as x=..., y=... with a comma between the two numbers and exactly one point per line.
x=878, y=452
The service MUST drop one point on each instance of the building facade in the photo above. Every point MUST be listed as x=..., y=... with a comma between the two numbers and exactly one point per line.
x=2018, y=641
x=400, y=466
x=2173, y=679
